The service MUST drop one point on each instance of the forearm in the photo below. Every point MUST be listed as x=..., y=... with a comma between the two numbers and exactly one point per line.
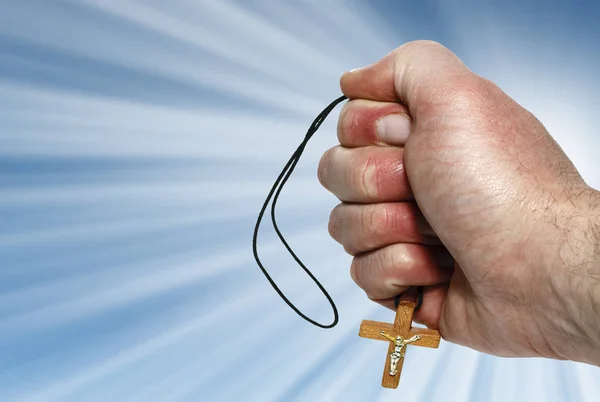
x=580, y=257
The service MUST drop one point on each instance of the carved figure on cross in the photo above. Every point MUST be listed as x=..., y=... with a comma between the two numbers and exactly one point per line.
x=397, y=354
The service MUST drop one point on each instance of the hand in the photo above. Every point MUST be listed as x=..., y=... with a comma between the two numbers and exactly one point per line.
x=437, y=165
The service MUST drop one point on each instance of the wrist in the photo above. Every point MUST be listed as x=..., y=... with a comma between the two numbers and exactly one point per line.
x=579, y=254
x=592, y=232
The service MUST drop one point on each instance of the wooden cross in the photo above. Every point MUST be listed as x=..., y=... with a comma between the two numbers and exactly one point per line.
x=403, y=334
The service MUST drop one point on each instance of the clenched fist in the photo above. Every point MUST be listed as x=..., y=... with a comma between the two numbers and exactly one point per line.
x=448, y=183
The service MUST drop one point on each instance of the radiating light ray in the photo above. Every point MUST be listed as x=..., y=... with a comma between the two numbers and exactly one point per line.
x=175, y=386
x=69, y=260
x=194, y=263
x=436, y=385
x=289, y=365
x=155, y=280
x=260, y=42
x=80, y=126
x=272, y=333
x=146, y=60
x=532, y=379
x=48, y=292
x=335, y=387
x=145, y=349
x=128, y=227
x=174, y=192
x=253, y=300
x=82, y=141
x=587, y=381
x=362, y=35
x=100, y=108
x=568, y=384
x=301, y=21
x=507, y=389
x=483, y=378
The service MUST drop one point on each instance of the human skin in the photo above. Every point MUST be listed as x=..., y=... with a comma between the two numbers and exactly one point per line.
x=459, y=173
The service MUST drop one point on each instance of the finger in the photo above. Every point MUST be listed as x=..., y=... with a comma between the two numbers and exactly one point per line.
x=430, y=312
x=365, y=122
x=365, y=227
x=416, y=74
x=454, y=310
x=365, y=175
x=389, y=271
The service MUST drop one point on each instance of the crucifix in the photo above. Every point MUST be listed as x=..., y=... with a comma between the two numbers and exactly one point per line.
x=399, y=334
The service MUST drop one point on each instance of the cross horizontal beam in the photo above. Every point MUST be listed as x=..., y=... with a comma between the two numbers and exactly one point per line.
x=430, y=338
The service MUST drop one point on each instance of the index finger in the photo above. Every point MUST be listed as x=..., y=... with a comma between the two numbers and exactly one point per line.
x=357, y=125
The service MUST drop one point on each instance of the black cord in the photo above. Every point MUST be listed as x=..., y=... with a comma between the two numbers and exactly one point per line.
x=419, y=299
x=276, y=190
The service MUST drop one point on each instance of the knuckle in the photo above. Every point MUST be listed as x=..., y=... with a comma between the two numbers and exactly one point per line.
x=469, y=92
x=421, y=46
x=355, y=271
x=382, y=221
x=387, y=260
x=396, y=260
x=368, y=279
x=459, y=95
x=385, y=268
x=365, y=179
x=346, y=123
x=373, y=274
x=324, y=166
x=336, y=222
x=425, y=43
x=350, y=250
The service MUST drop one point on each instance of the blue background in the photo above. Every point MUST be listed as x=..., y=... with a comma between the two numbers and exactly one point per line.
x=137, y=142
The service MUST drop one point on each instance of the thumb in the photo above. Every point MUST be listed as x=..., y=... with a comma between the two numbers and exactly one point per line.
x=416, y=74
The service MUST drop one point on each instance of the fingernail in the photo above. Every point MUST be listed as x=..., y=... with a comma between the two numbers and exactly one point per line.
x=355, y=70
x=393, y=129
